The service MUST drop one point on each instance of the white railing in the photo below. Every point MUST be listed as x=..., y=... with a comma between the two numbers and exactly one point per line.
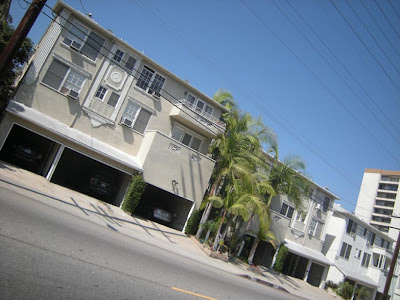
x=202, y=113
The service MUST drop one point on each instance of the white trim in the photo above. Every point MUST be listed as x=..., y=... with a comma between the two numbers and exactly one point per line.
x=141, y=104
x=77, y=68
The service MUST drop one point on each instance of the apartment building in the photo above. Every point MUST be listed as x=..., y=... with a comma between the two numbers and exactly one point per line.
x=302, y=232
x=91, y=111
x=379, y=200
x=360, y=254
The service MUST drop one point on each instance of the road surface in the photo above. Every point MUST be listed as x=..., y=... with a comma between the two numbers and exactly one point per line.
x=47, y=253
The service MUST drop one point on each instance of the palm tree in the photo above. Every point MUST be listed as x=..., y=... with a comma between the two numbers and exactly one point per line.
x=229, y=154
x=225, y=98
x=288, y=177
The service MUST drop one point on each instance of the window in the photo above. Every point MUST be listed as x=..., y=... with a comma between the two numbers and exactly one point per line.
x=150, y=81
x=300, y=218
x=199, y=106
x=136, y=117
x=101, y=92
x=287, y=210
x=371, y=238
x=378, y=260
x=315, y=228
x=113, y=100
x=84, y=40
x=186, y=138
x=310, y=193
x=358, y=253
x=63, y=79
x=130, y=63
x=365, y=260
x=351, y=227
x=325, y=204
x=345, y=251
x=118, y=55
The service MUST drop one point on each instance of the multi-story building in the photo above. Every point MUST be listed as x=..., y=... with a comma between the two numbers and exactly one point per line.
x=360, y=254
x=379, y=200
x=302, y=232
x=91, y=111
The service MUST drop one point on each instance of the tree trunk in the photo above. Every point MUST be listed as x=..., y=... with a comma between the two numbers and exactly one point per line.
x=203, y=220
x=253, y=251
x=216, y=241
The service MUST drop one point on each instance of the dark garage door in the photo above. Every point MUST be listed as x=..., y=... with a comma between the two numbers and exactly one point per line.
x=28, y=150
x=87, y=176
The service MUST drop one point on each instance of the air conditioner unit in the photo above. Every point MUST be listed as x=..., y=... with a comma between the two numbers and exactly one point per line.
x=353, y=234
x=75, y=45
x=125, y=121
x=72, y=94
x=318, y=206
x=310, y=231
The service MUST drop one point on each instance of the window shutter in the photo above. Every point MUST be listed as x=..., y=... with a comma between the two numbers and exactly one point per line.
x=55, y=74
x=92, y=46
x=142, y=120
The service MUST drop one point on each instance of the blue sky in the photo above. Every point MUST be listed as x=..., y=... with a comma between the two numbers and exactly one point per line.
x=324, y=75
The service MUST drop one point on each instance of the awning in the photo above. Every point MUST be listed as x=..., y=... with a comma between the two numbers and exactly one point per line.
x=307, y=252
x=357, y=277
x=74, y=135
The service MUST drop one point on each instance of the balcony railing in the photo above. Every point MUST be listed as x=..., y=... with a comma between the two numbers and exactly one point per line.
x=202, y=113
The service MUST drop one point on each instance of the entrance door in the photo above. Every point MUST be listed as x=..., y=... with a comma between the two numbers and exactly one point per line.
x=315, y=274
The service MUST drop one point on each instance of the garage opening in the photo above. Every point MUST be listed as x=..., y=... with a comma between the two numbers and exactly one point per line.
x=88, y=176
x=163, y=207
x=28, y=150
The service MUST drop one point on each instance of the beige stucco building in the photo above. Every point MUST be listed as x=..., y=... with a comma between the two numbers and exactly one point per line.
x=91, y=111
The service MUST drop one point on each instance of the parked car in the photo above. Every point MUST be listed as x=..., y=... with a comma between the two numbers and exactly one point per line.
x=102, y=185
x=160, y=215
x=27, y=156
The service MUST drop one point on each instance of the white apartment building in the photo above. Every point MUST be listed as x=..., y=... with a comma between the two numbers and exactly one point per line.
x=302, y=232
x=360, y=254
x=379, y=199
x=91, y=111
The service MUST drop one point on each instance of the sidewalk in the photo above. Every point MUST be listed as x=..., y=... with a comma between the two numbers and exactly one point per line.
x=32, y=185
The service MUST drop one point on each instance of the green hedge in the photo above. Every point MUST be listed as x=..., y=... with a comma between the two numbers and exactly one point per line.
x=134, y=194
x=280, y=258
x=193, y=223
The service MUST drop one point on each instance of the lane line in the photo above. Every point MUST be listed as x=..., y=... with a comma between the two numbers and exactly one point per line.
x=194, y=294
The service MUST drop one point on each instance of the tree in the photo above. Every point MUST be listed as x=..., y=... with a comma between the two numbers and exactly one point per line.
x=288, y=177
x=225, y=98
x=134, y=195
x=7, y=78
x=345, y=289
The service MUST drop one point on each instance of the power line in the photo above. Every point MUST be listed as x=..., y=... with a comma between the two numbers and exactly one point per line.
x=337, y=73
x=366, y=47
x=343, y=66
x=323, y=84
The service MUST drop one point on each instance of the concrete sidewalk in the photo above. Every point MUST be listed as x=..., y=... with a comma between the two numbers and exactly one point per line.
x=37, y=187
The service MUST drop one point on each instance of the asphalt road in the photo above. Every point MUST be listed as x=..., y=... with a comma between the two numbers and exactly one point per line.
x=47, y=253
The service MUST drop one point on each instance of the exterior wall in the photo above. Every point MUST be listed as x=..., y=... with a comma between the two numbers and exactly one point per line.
x=366, y=197
x=334, y=275
x=174, y=167
x=335, y=231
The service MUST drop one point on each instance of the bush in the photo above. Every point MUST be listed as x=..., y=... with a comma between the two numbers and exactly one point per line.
x=280, y=258
x=193, y=223
x=134, y=194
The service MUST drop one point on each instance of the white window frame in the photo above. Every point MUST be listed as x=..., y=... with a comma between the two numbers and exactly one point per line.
x=288, y=208
x=312, y=229
x=123, y=59
x=194, y=107
x=189, y=132
x=104, y=95
x=81, y=40
x=133, y=119
x=347, y=250
x=118, y=55
x=151, y=81
x=65, y=78
x=300, y=218
x=365, y=262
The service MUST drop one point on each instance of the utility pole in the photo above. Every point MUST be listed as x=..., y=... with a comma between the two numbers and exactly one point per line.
x=392, y=265
x=20, y=33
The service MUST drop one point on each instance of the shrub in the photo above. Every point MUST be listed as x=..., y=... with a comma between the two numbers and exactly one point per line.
x=134, y=194
x=193, y=223
x=280, y=258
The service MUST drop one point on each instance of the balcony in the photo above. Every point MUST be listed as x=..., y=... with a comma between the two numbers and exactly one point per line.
x=174, y=167
x=204, y=123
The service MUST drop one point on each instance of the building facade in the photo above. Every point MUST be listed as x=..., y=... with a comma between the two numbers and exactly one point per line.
x=379, y=200
x=302, y=232
x=91, y=111
x=360, y=254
